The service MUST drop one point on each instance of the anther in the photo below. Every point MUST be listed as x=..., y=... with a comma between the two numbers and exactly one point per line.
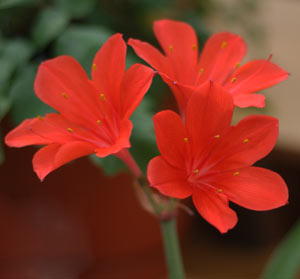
x=94, y=67
x=185, y=140
x=237, y=65
x=70, y=130
x=170, y=48
x=245, y=141
x=236, y=173
x=194, y=47
x=201, y=71
x=220, y=190
x=217, y=136
x=233, y=79
x=40, y=117
x=102, y=96
x=64, y=95
x=224, y=44
x=196, y=171
x=99, y=122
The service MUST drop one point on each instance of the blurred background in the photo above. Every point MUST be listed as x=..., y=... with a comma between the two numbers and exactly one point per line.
x=84, y=220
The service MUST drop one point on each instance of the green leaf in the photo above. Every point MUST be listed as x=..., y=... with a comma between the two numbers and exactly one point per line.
x=111, y=165
x=76, y=8
x=285, y=261
x=4, y=4
x=82, y=42
x=25, y=104
x=49, y=24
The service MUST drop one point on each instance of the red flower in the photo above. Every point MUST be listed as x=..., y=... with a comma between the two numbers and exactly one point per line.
x=219, y=61
x=210, y=160
x=93, y=114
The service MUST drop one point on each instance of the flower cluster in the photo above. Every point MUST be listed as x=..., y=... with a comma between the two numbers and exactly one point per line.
x=202, y=155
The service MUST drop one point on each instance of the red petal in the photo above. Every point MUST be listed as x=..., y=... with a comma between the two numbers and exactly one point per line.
x=220, y=55
x=53, y=156
x=23, y=135
x=249, y=100
x=213, y=207
x=62, y=84
x=109, y=67
x=170, y=135
x=179, y=42
x=254, y=76
x=135, y=84
x=254, y=188
x=252, y=139
x=150, y=54
x=208, y=116
x=168, y=180
x=121, y=142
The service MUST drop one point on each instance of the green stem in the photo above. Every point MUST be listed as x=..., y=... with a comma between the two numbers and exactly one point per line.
x=172, y=249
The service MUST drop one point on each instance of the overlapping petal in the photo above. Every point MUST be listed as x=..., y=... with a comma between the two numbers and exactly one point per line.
x=135, y=84
x=167, y=179
x=108, y=69
x=208, y=116
x=55, y=155
x=221, y=54
x=254, y=188
x=244, y=144
x=171, y=137
x=180, y=44
x=255, y=76
x=214, y=208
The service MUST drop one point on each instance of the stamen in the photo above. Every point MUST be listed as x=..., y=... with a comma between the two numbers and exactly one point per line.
x=237, y=65
x=102, y=96
x=236, y=173
x=171, y=48
x=196, y=171
x=194, y=47
x=186, y=140
x=99, y=122
x=245, y=141
x=70, y=130
x=94, y=67
x=201, y=71
x=217, y=136
x=64, y=95
x=233, y=79
x=40, y=117
x=224, y=44
x=220, y=190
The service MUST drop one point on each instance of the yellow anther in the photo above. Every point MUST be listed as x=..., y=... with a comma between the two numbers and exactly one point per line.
x=233, y=79
x=237, y=65
x=170, y=48
x=217, y=136
x=220, y=190
x=236, y=173
x=102, y=96
x=40, y=117
x=224, y=44
x=245, y=140
x=196, y=171
x=64, y=95
x=194, y=47
x=99, y=122
x=186, y=140
x=70, y=130
x=94, y=67
x=201, y=71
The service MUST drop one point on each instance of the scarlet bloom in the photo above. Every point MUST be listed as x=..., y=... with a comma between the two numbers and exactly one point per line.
x=93, y=115
x=219, y=61
x=210, y=160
